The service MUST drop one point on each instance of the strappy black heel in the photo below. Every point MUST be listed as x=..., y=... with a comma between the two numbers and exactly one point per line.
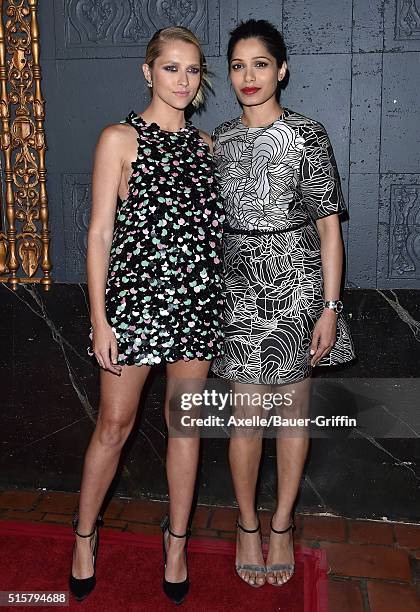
x=259, y=570
x=277, y=567
x=176, y=591
x=82, y=587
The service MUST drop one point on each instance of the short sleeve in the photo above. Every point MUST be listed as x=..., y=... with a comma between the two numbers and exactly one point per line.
x=319, y=178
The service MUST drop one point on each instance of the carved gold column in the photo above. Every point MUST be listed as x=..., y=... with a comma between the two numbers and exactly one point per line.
x=26, y=250
x=8, y=261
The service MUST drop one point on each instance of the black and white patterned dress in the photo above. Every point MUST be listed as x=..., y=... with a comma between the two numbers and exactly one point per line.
x=276, y=181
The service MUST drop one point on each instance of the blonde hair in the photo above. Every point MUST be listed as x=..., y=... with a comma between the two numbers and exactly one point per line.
x=179, y=33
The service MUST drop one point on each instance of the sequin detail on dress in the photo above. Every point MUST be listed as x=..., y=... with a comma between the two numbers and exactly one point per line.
x=164, y=287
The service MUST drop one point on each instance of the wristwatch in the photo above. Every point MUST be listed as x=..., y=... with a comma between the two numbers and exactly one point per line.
x=336, y=305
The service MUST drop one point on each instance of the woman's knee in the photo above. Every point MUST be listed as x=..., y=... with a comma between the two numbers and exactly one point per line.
x=113, y=432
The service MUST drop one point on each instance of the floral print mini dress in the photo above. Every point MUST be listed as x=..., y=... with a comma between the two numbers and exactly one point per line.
x=276, y=182
x=164, y=287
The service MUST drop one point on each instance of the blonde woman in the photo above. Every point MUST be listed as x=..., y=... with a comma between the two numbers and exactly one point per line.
x=154, y=284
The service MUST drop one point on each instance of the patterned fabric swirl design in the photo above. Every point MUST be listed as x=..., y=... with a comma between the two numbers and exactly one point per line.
x=277, y=179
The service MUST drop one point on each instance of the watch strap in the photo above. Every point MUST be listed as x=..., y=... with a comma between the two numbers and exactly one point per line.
x=336, y=305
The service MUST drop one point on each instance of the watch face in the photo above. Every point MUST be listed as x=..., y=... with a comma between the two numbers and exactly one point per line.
x=339, y=306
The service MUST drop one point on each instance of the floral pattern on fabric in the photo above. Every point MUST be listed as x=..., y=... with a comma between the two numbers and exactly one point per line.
x=280, y=179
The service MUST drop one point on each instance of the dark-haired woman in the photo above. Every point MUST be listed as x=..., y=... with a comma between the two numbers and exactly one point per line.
x=154, y=288
x=283, y=256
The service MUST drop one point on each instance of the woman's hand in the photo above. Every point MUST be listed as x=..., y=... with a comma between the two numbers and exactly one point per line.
x=324, y=335
x=105, y=347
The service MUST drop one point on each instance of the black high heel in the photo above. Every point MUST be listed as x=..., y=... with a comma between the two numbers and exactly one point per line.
x=82, y=587
x=176, y=591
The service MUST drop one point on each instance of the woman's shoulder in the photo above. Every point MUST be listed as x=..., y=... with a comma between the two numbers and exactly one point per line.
x=307, y=125
x=115, y=140
x=115, y=137
x=116, y=132
x=225, y=127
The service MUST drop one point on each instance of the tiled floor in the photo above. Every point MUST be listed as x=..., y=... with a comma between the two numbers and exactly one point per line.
x=374, y=566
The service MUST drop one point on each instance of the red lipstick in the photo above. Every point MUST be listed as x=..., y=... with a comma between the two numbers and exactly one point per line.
x=249, y=91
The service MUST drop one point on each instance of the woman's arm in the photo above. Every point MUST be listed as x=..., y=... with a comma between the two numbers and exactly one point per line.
x=107, y=170
x=331, y=255
x=324, y=334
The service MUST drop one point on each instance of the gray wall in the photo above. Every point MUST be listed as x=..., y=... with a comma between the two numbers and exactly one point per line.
x=354, y=66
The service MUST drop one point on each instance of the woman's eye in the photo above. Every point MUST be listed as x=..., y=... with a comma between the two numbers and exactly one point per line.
x=194, y=70
x=261, y=64
x=236, y=66
x=171, y=68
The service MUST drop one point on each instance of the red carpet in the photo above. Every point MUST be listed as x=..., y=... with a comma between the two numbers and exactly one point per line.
x=129, y=573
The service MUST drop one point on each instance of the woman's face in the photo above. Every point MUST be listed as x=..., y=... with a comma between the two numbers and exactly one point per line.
x=254, y=72
x=175, y=74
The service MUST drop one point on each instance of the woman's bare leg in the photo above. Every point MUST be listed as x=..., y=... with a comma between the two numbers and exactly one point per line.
x=292, y=449
x=244, y=457
x=181, y=460
x=117, y=411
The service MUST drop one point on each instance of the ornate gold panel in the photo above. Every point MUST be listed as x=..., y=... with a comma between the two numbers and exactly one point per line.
x=24, y=233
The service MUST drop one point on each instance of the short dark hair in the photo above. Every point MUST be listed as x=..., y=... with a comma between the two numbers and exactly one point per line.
x=265, y=31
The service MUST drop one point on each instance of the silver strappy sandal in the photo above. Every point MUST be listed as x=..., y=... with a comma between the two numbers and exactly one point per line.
x=277, y=567
x=249, y=567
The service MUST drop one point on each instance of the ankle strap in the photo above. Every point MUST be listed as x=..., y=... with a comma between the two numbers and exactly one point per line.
x=89, y=535
x=175, y=535
x=257, y=528
x=75, y=523
x=166, y=526
x=291, y=526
